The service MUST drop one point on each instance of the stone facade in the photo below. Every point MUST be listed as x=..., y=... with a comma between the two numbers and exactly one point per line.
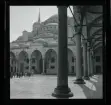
x=41, y=43
x=38, y=48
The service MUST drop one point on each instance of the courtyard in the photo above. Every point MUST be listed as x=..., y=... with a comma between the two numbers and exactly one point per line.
x=42, y=86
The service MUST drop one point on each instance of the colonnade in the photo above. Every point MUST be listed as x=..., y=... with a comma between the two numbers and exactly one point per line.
x=62, y=89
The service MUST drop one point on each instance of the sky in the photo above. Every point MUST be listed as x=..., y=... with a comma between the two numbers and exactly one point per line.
x=23, y=17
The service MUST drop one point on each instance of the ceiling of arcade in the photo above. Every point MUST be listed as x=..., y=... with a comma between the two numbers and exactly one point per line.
x=93, y=19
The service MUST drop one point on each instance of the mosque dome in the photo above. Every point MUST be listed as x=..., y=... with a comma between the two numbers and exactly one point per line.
x=53, y=20
x=40, y=40
x=54, y=16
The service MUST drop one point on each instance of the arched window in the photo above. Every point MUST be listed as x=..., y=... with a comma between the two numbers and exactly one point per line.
x=45, y=28
x=27, y=60
x=33, y=67
x=33, y=60
x=52, y=59
x=72, y=69
x=52, y=67
x=72, y=59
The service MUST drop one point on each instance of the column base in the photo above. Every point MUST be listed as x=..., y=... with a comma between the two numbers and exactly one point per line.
x=86, y=78
x=62, y=92
x=79, y=81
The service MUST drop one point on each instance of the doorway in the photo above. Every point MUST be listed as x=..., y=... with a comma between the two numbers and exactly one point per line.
x=21, y=67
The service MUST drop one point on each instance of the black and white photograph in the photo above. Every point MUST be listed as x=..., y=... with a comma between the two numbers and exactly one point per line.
x=56, y=52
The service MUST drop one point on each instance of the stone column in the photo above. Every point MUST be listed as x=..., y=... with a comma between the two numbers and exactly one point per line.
x=62, y=90
x=29, y=64
x=94, y=64
x=86, y=77
x=43, y=62
x=78, y=30
x=88, y=54
x=90, y=65
x=91, y=62
x=79, y=79
x=16, y=67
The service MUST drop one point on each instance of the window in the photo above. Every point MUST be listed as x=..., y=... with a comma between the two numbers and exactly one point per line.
x=52, y=67
x=33, y=60
x=52, y=59
x=72, y=69
x=33, y=67
x=72, y=59
x=97, y=58
x=27, y=60
x=24, y=59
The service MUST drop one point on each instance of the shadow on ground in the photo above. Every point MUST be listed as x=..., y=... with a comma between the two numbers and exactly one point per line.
x=95, y=89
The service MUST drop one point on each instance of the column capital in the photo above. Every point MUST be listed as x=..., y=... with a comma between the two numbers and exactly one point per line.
x=84, y=42
x=62, y=6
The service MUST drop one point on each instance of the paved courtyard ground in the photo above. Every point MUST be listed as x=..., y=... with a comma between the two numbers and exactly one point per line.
x=42, y=86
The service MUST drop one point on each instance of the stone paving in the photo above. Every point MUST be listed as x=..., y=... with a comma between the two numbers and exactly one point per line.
x=42, y=86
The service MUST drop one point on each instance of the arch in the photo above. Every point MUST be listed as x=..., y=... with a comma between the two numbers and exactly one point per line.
x=97, y=49
x=96, y=32
x=12, y=63
x=93, y=21
x=71, y=62
x=12, y=54
x=97, y=45
x=23, y=62
x=36, y=49
x=22, y=54
x=36, y=62
x=98, y=39
x=95, y=9
x=50, y=61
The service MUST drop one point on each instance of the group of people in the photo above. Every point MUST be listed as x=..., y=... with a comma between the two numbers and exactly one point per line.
x=19, y=74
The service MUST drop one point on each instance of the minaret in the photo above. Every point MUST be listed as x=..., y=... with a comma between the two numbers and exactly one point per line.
x=39, y=16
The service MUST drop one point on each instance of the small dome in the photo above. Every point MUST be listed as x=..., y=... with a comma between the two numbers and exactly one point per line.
x=40, y=40
x=35, y=23
x=52, y=24
x=53, y=16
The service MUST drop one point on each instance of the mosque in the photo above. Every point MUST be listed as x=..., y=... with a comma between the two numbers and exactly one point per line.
x=37, y=51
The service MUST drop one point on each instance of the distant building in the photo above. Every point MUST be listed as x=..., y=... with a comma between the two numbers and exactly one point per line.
x=36, y=51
